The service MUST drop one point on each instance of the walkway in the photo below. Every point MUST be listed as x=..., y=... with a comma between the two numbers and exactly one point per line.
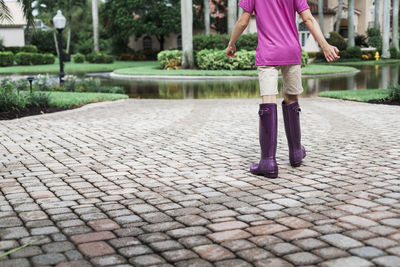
x=153, y=182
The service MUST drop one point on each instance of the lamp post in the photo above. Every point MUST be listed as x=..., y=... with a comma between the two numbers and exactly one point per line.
x=59, y=22
x=30, y=80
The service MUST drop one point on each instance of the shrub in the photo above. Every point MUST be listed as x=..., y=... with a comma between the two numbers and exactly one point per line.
x=10, y=100
x=44, y=41
x=99, y=58
x=38, y=99
x=210, y=41
x=166, y=55
x=247, y=42
x=304, y=58
x=150, y=54
x=42, y=83
x=6, y=59
x=216, y=60
x=361, y=40
x=23, y=58
x=78, y=58
x=18, y=49
x=394, y=53
x=312, y=54
x=337, y=40
x=375, y=39
x=353, y=53
x=394, y=93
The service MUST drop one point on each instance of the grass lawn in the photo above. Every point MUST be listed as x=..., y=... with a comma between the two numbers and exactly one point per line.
x=72, y=99
x=70, y=68
x=152, y=68
x=365, y=62
x=357, y=95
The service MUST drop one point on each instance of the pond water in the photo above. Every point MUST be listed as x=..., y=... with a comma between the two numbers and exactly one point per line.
x=369, y=77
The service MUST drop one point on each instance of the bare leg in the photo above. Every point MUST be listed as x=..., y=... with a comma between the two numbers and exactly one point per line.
x=269, y=99
x=289, y=99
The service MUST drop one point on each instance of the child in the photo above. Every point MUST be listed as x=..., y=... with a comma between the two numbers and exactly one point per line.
x=279, y=49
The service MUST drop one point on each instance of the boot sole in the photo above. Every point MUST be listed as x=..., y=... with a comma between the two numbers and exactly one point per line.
x=268, y=174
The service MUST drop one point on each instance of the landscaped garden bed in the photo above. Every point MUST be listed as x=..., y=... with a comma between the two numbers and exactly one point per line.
x=17, y=101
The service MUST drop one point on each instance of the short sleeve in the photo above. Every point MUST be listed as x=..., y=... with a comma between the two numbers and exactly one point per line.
x=247, y=5
x=301, y=5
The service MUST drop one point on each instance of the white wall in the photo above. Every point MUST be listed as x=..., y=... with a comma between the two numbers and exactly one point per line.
x=12, y=36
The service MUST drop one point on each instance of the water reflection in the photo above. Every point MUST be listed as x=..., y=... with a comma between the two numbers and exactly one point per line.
x=369, y=77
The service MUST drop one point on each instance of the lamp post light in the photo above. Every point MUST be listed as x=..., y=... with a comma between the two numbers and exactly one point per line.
x=59, y=22
x=30, y=80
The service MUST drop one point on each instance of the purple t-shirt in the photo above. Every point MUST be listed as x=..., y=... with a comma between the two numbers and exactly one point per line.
x=278, y=39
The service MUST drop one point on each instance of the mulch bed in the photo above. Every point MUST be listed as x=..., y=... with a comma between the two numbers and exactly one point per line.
x=385, y=101
x=29, y=112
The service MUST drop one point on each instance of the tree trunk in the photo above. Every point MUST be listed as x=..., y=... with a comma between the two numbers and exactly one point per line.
x=377, y=8
x=68, y=39
x=395, y=27
x=95, y=17
x=321, y=15
x=161, y=40
x=207, y=16
x=56, y=43
x=187, y=34
x=339, y=16
x=386, y=29
x=232, y=13
x=351, y=40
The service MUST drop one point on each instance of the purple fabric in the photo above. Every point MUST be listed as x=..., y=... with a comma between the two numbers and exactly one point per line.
x=278, y=39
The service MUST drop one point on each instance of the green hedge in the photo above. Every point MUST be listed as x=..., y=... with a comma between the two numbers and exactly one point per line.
x=78, y=58
x=304, y=58
x=247, y=42
x=170, y=55
x=18, y=49
x=25, y=58
x=210, y=41
x=6, y=59
x=220, y=41
x=99, y=58
x=217, y=60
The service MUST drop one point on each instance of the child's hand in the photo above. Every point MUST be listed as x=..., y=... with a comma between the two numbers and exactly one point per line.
x=231, y=50
x=331, y=53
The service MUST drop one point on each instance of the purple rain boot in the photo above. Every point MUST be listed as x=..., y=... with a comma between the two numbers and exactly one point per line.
x=268, y=137
x=291, y=117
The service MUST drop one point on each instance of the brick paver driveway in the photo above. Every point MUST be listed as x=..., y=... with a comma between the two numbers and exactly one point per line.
x=152, y=182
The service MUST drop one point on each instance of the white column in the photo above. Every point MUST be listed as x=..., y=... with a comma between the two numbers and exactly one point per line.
x=207, y=16
x=187, y=33
x=386, y=29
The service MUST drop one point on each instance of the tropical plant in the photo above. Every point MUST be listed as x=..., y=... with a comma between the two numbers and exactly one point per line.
x=394, y=93
x=26, y=8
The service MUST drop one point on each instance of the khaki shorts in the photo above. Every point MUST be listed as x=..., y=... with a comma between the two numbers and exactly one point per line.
x=291, y=77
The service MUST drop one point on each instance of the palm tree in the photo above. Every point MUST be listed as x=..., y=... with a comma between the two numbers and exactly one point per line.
x=351, y=39
x=26, y=8
x=207, y=16
x=187, y=33
x=232, y=13
x=395, y=27
x=95, y=16
x=386, y=29
x=321, y=14
x=376, y=22
x=339, y=16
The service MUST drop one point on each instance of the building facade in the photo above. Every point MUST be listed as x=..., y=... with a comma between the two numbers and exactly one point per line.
x=12, y=32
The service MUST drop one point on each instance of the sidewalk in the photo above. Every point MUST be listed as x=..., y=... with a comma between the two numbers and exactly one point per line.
x=166, y=182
